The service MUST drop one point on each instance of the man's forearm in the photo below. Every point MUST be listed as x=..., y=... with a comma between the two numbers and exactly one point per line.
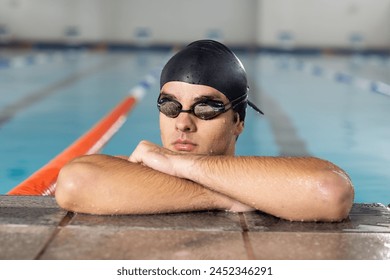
x=291, y=188
x=101, y=184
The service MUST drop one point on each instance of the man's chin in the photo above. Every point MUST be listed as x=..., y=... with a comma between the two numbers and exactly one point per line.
x=195, y=152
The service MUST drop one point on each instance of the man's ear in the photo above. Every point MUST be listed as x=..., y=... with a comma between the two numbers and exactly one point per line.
x=239, y=124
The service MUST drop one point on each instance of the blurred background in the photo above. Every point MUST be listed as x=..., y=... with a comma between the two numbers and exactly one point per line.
x=301, y=24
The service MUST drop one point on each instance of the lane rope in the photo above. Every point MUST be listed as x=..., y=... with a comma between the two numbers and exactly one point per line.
x=39, y=58
x=43, y=181
x=343, y=77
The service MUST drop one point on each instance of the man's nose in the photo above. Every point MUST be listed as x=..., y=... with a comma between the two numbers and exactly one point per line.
x=186, y=122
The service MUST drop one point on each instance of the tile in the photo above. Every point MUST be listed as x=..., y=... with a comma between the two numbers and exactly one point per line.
x=31, y=216
x=23, y=242
x=369, y=218
x=372, y=209
x=122, y=243
x=258, y=221
x=363, y=218
x=28, y=222
x=202, y=221
x=28, y=201
x=320, y=246
x=30, y=210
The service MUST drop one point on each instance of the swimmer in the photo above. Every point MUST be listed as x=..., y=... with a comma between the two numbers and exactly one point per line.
x=202, y=103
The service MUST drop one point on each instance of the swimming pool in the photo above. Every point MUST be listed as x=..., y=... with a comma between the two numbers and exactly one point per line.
x=310, y=109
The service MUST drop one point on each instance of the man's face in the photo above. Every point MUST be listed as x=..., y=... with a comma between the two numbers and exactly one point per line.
x=187, y=133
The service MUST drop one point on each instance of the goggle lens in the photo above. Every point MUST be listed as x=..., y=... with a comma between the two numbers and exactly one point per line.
x=169, y=108
x=204, y=110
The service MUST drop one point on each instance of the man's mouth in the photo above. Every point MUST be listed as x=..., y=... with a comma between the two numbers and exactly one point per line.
x=184, y=145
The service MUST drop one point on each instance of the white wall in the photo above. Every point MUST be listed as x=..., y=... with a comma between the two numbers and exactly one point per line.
x=169, y=21
x=326, y=23
x=313, y=23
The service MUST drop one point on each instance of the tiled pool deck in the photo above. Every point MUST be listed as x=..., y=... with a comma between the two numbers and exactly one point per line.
x=34, y=227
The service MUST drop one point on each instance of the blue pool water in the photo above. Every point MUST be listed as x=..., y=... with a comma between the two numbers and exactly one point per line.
x=45, y=106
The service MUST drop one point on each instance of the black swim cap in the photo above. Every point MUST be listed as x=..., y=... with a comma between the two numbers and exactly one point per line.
x=210, y=63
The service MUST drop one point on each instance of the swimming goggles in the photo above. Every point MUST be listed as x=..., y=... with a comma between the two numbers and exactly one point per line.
x=204, y=109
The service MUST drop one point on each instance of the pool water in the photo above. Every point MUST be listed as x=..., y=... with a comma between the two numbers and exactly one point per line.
x=343, y=123
x=309, y=110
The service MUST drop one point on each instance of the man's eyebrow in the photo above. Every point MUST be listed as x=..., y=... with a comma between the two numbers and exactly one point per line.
x=164, y=94
x=206, y=96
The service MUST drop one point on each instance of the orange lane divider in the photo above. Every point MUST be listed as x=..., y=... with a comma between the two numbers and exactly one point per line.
x=42, y=182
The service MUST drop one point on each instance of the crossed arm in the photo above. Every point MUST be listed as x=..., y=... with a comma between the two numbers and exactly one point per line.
x=156, y=180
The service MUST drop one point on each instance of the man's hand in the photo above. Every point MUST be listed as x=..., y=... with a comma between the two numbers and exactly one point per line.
x=167, y=161
x=155, y=157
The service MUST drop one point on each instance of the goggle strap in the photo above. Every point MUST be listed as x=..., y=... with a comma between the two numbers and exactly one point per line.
x=244, y=98
x=254, y=107
x=234, y=103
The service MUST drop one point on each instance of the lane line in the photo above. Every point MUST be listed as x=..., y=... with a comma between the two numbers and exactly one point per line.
x=285, y=134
